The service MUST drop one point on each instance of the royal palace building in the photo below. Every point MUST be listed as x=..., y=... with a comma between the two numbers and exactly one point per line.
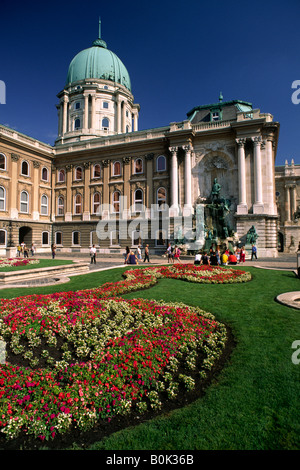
x=105, y=182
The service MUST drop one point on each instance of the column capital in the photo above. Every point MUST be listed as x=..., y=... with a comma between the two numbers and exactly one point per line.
x=257, y=140
x=187, y=148
x=241, y=141
x=173, y=149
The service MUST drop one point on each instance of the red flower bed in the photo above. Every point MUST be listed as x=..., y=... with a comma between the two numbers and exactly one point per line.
x=79, y=357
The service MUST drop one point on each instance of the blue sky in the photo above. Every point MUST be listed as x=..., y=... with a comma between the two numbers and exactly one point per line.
x=179, y=54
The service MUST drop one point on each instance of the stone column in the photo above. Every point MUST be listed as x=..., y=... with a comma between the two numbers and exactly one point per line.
x=124, y=118
x=35, y=191
x=187, y=180
x=14, y=203
x=125, y=193
x=258, y=206
x=105, y=189
x=135, y=121
x=93, y=111
x=287, y=204
x=174, y=181
x=68, y=202
x=149, y=199
x=65, y=115
x=293, y=200
x=86, y=112
x=270, y=176
x=242, y=207
x=119, y=115
x=86, y=196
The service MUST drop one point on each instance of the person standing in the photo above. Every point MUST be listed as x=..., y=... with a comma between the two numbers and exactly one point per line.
x=146, y=254
x=139, y=253
x=32, y=249
x=253, y=252
x=93, y=254
x=53, y=250
x=127, y=251
x=242, y=255
x=169, y=252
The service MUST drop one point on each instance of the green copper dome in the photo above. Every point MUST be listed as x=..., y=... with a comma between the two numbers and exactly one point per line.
x=98, y=62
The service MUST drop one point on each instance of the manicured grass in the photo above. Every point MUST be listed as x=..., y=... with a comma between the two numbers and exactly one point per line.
x=43, y=263
x=253, y=404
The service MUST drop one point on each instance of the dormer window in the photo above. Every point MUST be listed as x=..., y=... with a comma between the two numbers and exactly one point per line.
x=215, y=116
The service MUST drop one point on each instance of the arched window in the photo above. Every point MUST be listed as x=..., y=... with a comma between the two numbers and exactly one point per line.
x=60, y=205
x=138, y=166
x=45, y=174
x=78, y=204
x=161, y=163
x=138, y=200
x=78, y=173
x=116, y=169
x=44, y=204
x=77, y=124
x=2, y=199
x=61, y=176
x=96, y=203
x=97, y=171
x=25, y=168
x=24, y=202
x=2, y=161
x=105, y=123
x=116, y=201
x=161, y=198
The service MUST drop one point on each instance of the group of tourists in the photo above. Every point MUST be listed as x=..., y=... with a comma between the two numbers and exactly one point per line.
x=173, y=254
x=227, y=257
x=134, y=257
x=22, y=249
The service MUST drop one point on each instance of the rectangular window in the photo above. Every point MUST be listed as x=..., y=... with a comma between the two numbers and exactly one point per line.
x=115, y=238
x=45, y=238
x=58, y=238
x=76, y=238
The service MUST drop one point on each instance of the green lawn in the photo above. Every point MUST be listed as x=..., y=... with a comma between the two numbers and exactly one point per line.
x=253, y=404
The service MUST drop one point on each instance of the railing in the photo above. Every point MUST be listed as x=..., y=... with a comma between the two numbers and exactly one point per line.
x=203, y=126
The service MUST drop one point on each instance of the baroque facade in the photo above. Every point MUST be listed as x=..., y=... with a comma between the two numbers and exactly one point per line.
x=287, y=179
x=105, y=182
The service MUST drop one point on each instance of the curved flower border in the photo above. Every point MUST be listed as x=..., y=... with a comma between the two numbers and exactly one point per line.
x=9, y=262
x=102, y=356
